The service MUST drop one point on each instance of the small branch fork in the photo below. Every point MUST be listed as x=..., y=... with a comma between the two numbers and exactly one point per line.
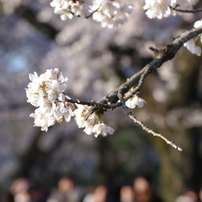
x=116, y=98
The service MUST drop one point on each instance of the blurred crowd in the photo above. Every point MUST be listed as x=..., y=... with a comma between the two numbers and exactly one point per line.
x=141, y=190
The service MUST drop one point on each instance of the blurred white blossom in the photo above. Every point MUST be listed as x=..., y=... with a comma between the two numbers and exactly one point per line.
x=191, y=46
x=68, y=8
x=157, y=9
x=198, y=24
x=111, y=14
x=108, y=13
x=194, y=45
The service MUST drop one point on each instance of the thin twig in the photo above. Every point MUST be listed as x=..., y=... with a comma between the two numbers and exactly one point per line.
x=148, y=130
x=185, y=11
x=145, y=128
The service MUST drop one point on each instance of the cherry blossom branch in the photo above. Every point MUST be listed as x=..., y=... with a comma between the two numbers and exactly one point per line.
x=46, y=92
x=161, y=56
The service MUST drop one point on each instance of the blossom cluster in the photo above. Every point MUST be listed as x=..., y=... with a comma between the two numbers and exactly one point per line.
x=194, y=45
x=47, y=93
x=108, y=12
x=111, y=13
x=69, y=8
x=163, y=8
x=93, y=124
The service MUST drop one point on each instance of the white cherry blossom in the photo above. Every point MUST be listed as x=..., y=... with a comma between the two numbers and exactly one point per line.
x=80, y=114
x=35, y=91
x=135, y=101
x=43, y=120
x=102, y=129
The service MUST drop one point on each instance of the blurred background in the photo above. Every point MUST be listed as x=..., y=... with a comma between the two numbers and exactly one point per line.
x=97, y=60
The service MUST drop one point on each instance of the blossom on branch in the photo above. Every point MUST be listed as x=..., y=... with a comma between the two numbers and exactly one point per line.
x=43, y=119
x=103, y=129
x=47, y=93
x=135, y=101
x=93, y=124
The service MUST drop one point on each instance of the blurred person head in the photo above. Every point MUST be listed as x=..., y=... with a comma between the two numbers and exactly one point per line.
x=184, y=198
x=65, y=184
x=142, y=190
x=188, y=196
x=126, y=194
x=100, y=193
x=19, y=189
x=191, y=194
x=19, y=185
